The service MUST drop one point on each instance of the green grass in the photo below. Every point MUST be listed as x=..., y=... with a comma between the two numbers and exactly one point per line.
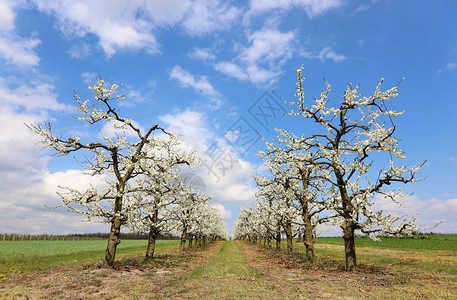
x=229, y=261
x=42, y=255
x=434, y=253
x=429, y=242
x=413, y=260
x=226, y=276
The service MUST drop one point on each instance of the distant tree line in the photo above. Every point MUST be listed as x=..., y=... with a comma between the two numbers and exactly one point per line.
x=81, y=236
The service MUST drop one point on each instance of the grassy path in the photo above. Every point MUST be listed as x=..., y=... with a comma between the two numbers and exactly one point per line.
x=226, y=276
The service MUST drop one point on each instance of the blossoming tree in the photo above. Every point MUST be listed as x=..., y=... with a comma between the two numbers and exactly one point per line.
x=185, y=213
x=159, y=189
x=295, y=162
x=279, y=191
x=120, y=159
x=355, y=136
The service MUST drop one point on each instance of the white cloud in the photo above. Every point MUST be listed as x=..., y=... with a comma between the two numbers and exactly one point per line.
x=429, y=212
x=328, y=53
x=89, y=77
x=267, y=50
x=134, y=95
x=202, y=54
x=261, y=76
x=18, y=51
x=27, y=186
x=30, y=96
x=232, y=184
x=260, y=62
x=19, y=105
x=163, y=13
x=190, y=125
x=119, y=25
x=206, y=16
x=231, y=70
x=223, y=212
x=325, y=54
x=450, y=66
x=14, y=49
x=311, y=7
x=229, y=178
x=269, y=46
x=7, y=15
x=18, y=151
x=80, y=51
x=361, y=8
x=199, y=83
x=132, y=24
x=28, y=201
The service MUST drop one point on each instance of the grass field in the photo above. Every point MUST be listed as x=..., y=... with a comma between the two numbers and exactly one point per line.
x=41, y=255
x=432, y=254
x=422, y=242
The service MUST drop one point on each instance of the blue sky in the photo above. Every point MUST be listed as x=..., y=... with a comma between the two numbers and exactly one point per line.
x=199, y=68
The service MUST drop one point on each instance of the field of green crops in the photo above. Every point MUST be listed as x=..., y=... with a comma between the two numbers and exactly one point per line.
x=422, y=242
x=41, y=255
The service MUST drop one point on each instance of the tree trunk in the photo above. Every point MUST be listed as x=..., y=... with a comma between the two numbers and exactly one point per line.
x=308, y=234
x=349, y=245
x=182, y=245
x=189, y=245
x=289, y=237
x=278, y=240
x=151, y=243
x=299, y=236
x=113, y=241
x=308, y=230
x=308, y=241
x=153, y=232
